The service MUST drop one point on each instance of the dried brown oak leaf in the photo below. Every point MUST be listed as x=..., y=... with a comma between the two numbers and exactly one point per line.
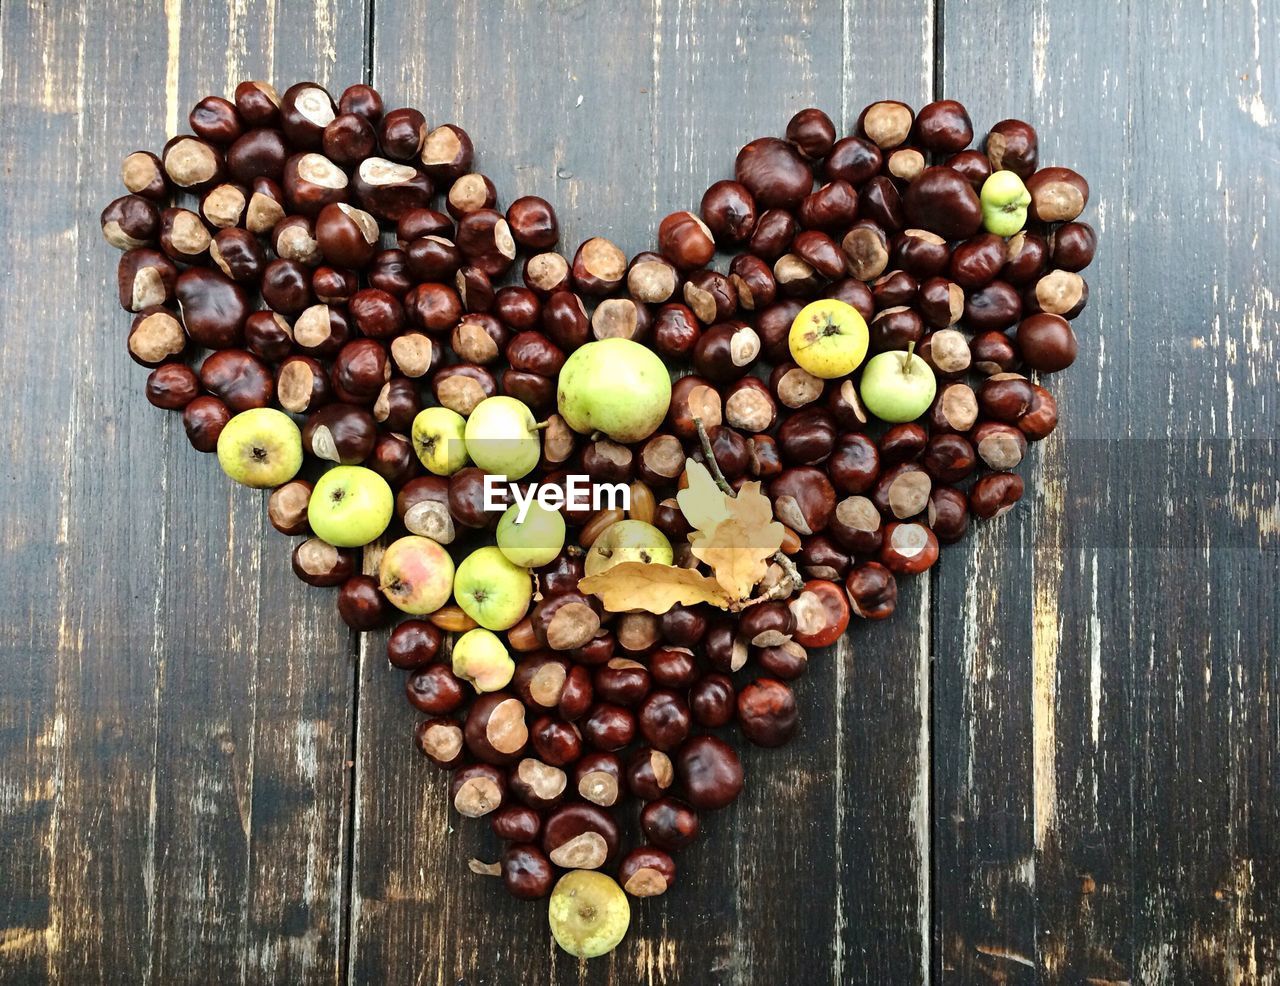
x=632, y=585
x=735, y=535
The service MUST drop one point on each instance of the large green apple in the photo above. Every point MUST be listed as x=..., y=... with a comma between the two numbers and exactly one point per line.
x=897, y=386
x=615, y=386
x=535, y=541
x=491, y=590
x=628, y=540
x=501, y=437
x=261, y=447
x=437, y=435
x=416, y=575
x=350, y=506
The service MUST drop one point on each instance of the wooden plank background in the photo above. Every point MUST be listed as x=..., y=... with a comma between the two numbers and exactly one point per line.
x=1056, y=764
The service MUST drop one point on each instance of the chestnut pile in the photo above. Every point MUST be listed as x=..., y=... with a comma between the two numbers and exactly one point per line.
x=580, y=715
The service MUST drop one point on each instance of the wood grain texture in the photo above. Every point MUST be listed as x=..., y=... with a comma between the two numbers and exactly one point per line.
x=174, y=801
x=1107, y=741
x=1056, y=764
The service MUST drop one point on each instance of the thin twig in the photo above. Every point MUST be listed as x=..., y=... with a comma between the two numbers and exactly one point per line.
x=793, y=581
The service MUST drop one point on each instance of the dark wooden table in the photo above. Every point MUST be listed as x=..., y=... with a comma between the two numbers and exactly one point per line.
x=1057, y=763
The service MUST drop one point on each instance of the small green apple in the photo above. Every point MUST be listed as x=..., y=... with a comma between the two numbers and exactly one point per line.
x=535, y=541
x=501, y=437
x=1004, y=201
x=828, y=338
x=350, y=506
x=261, y=447
x=589, y=913
x=416, y=575
x=437, y=436
x=628, y=540
x=491, y=590
x=615, y=386
x=480, y=657
x=897, y=386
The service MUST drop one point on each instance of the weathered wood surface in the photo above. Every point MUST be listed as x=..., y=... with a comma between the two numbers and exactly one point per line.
x=1056, y=764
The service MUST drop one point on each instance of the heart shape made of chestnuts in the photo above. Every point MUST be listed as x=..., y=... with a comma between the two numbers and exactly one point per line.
x=968, y=257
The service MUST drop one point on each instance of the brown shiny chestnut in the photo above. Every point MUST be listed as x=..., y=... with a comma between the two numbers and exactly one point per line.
x=775, y=229
x=767, y=713
x=977, y=261
x=812, y=133
x=808, y=436
x=947, y=353
x=753, y=280
x=943, y=127
x=401, y=133
x=669, y=823
x=1072, y=246
x=347, y=236
x=872, y=591
x=774, y=173
x=880, y=202
x=519, y=308
x=866, y=250
x=709, y=772
x=156, y=336
x=857, y=526
x=237, y=378
x=389, y=189
x=130, y=221
x=819, y=251
x=993, y=352
x=142, y=173
x=712, y=701
x=239, y=255
x=993, y=307
x=887, y=123
x=259, y=153
x=224, y=205
x=348, y=139
x=853, y=159
x=729, y=212
x=948, y=514
x=361, y=100
x=322, y=330
x=447, y=153
x=995, y=494
x=1042, y=417
x=203, y=419
x=361, y=603
x=726, y=351
x=311, y=181
x=172, y=386
x=533, y=223
x=319, y=563
x=922, y=254
x=1057, y=195
x=340, y=433
x=940, y=302
x=1058, y=292
x=145, y=278
x=942, y=201
x=1013, y=145
x=306, y=108
x=462, y=386
x=651, y=278
x=469, y=193
x=1004, y=397
x=389, y=272
x=302, y=384
x=213, y=306
x=1046, y=342
x=710, y=296
x=192, y=164
x=895, y=328
x=685, y=241
x=972, y=165
x=949, y=458
x=909, y=548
